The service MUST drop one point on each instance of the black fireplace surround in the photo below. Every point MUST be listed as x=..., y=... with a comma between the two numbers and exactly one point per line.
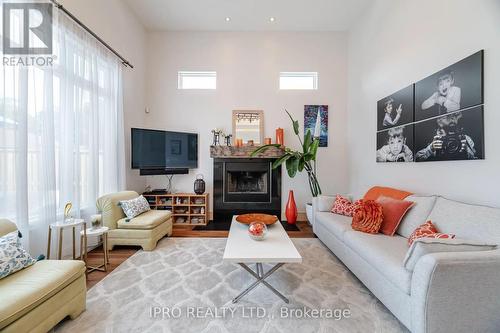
x=246, y=185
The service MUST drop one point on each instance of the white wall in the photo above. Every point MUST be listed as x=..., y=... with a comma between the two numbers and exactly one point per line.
x=397, y=43
x=116, y=24
x=248, y=66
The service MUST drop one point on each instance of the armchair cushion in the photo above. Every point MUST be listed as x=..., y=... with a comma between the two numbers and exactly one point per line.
x=109, y=209
x=147, y=220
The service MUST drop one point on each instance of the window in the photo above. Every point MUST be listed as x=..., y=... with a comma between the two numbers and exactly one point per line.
x=298, y=80
x=197, y=80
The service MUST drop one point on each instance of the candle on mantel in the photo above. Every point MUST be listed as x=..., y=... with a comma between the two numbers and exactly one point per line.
x=238, y=142
x=279, y=136
x=267, y=141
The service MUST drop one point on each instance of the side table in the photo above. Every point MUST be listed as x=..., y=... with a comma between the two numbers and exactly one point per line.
x=60, y=226
x=101, y=231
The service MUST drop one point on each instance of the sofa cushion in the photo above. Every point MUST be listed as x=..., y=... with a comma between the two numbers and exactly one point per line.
x=134, y=207
x=336, y=224
x=23, y=291
x=467, y=221
x=383, y=253
x=147, y=220
x=376, y=191
x=324, y=203
x=13, y=257
x=394, y=210
x=343, y=206
x=417, y=215
x=423, y=246
x=367, y=216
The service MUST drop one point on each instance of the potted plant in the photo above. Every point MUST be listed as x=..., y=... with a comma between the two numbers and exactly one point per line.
x=298, y=161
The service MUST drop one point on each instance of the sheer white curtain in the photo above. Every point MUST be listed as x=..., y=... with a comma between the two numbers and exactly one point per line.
x=61, y=133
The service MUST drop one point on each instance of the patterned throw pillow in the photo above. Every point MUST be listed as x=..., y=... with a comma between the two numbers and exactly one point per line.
x=367, y=216
x=135, y=207
x=12, y=255
x=427, y=230
x=343, y=206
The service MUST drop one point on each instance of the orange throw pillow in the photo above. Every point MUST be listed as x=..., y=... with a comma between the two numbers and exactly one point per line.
x=393, y=210
x=427, y=230
x=367, y=216
x=375, y=192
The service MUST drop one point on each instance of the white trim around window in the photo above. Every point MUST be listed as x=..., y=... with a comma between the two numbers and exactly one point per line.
x=298, y=80
x=196, y=80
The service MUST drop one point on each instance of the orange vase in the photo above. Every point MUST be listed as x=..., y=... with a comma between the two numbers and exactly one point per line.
x=279, y=136
x=291, y=209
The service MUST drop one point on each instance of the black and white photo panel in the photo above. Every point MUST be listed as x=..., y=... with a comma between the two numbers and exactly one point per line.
x=396, y=109
x=454, y=136
x=395, y=144
x=454, y=88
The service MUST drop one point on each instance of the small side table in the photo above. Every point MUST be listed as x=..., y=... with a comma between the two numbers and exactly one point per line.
x=102, y=231
x=61, y=226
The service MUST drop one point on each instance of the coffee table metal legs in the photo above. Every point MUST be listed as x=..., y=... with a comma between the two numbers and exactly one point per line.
x=260, y=276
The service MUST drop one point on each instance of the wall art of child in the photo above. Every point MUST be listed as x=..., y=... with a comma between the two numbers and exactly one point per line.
x=396, y=149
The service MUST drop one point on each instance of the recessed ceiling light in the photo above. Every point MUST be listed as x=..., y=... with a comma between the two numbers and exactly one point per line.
x=228, y=19
x=272, y=19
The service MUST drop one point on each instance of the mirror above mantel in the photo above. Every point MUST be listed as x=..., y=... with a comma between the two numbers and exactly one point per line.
x=248, y=125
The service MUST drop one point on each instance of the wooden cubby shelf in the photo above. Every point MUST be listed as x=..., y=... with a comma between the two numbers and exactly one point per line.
x=187, y=208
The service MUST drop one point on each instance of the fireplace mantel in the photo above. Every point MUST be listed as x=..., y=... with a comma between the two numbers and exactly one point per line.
x=243, y=152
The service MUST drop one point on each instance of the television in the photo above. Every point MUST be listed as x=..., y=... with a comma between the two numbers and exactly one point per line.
x=162, y=150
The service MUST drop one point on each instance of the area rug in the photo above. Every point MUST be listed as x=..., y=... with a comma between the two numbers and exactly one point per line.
x=183, y=286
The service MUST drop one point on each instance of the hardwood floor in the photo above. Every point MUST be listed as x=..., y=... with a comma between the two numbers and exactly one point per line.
x=122, y=253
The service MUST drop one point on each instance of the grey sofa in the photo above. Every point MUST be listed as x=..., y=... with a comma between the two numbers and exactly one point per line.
x=446, y=292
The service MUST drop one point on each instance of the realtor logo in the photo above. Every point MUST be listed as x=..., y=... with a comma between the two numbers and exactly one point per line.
x=27, y=28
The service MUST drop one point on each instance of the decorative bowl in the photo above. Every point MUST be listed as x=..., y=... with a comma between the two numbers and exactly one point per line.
x=255, y=217
x=257, y=231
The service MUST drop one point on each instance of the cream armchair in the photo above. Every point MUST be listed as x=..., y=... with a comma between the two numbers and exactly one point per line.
x=144, y=230
x=37, y=297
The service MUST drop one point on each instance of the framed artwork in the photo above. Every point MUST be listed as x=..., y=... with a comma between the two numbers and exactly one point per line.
x=395, y=144
x=316, y=121
x=396, y=109
x=454, y=88
x=455, y=136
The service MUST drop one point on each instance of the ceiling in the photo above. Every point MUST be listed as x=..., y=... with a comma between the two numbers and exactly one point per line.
x=248, y=15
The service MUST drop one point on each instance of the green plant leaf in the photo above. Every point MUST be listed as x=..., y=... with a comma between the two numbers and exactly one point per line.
x=314, y=148
x=281, y=160
x=262, y=149
x=291, y=166
x=301, y=164
x=307, y=141
x=295, y=123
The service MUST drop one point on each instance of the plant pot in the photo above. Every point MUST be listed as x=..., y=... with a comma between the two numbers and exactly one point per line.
x=309, y=212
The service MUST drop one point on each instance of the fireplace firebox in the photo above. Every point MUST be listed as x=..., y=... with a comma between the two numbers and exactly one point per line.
x=245, y=185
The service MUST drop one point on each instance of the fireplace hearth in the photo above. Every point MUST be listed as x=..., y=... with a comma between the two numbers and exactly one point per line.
x=244, y=185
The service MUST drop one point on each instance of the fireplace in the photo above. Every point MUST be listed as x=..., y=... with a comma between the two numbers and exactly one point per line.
x=244, y=185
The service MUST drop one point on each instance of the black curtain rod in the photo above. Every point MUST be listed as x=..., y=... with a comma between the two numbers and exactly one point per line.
x=80, y=23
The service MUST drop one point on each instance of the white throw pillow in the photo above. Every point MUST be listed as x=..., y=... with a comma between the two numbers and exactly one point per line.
x=325, y=202
x=135, y=207
x=13, y=257
x=423, y=246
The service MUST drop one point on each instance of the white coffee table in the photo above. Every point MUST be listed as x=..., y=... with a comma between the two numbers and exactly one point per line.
x=276, y=248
